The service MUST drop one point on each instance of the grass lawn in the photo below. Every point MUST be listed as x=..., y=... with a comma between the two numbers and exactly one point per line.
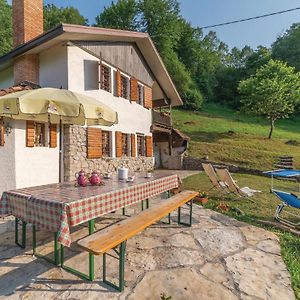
x=225, y=135
x=263, y=208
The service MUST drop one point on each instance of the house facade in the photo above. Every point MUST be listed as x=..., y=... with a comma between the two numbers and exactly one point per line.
x=121, y=69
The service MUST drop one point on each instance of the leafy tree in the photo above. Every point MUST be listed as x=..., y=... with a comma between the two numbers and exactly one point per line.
x=257, y=59
x=272, y=92
x=54, y=15
x=122, y=15
x=5, y=28
x=287, y=46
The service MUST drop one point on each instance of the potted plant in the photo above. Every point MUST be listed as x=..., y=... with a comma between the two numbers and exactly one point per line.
x=203, y=197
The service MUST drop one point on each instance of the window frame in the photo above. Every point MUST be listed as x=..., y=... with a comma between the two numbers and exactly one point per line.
x=125, y=91
x=126, y=145
x=106, y=152
x=141, y=144
x=140, y=100
x=102, y=77
x=43, y=132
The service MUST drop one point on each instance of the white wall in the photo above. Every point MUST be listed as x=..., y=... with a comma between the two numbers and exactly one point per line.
x=6, y=78
x=34, y=165
x=7, y=161
x=83, y=78
x=54, y=67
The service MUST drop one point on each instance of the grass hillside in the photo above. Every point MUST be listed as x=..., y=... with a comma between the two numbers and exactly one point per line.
x=225, y=135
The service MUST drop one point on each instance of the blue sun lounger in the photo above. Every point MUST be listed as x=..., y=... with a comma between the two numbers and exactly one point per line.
x=288, y=200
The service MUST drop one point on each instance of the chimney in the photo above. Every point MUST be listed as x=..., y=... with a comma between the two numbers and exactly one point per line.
x=27, y=24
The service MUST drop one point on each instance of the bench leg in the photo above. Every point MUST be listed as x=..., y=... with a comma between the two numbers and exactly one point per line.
x=190, y=204
x=121, y=257
x=23, y=243
x=91, y=275
x=123, y=211
x=56, y=260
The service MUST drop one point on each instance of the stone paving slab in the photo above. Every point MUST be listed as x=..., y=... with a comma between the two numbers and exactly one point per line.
x=218, y=258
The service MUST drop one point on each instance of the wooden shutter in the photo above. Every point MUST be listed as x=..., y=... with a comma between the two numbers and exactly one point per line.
x=133, y=89
x=133, y=145
x=30, y=133
x=147, y=97
x=52, y=136
x=149, y=146
x=118, y=144
x=118, y=83
x=94, y=143
x=1, y=132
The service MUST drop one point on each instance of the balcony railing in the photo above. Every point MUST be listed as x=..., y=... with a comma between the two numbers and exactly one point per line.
x=161, y=119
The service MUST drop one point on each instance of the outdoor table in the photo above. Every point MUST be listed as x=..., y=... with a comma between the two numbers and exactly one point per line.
x=57, y=207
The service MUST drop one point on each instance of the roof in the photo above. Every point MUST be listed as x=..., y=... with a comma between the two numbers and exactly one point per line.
x=68, y=32
x=20, y=87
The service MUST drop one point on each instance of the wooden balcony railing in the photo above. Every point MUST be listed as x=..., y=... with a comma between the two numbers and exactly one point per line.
x=161, y=119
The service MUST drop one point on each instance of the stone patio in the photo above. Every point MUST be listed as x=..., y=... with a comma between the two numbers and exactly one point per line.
x=218, y=258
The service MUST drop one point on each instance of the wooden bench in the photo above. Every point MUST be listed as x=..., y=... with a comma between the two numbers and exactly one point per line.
x=117, y=234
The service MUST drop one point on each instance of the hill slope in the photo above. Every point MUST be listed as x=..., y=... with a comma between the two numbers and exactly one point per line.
x=232, y=137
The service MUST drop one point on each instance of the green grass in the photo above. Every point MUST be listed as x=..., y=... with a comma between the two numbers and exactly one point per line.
x=247, y=145
x=263, y=208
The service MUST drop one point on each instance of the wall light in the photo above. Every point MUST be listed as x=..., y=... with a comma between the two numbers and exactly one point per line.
x=7, y=129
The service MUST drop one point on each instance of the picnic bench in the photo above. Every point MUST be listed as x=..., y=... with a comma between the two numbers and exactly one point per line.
x=117, y=234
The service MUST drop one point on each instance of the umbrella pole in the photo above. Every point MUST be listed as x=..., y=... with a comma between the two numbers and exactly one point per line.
x=60, y=151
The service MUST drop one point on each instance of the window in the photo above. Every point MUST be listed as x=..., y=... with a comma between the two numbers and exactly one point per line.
x=106, y=143
x=124, y=87
x=105, y=78
x=125, y=144
x=39, y=135
x=140, y=95
x=141, y=145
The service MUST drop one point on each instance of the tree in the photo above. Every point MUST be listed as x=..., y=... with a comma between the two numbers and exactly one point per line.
x=287, y=46
x=5, y=28
x=122, y=15
x=273, y=92
x=54, y=15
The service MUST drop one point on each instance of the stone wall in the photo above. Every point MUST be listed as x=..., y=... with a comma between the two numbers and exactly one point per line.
x=191, y=163
x=75, y=157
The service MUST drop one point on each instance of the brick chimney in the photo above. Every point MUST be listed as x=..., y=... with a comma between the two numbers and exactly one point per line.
x=27, y=24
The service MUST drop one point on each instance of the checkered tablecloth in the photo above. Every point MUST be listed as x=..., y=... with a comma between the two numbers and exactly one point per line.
x=57, y=207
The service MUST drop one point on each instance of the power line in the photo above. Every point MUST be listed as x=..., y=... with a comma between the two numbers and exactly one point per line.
x=252, y=18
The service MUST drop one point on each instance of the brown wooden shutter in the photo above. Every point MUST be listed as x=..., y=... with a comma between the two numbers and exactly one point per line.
x=133, y=89
x=149, y=146
x=118, y=83
x=133, y=145
x=118, y=144
x=52, y=136
x=147, y=97
x=30, y=134
x=2, y=132
x=94, y=143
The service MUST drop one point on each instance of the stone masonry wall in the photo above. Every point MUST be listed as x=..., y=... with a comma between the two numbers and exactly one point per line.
x=75, y=157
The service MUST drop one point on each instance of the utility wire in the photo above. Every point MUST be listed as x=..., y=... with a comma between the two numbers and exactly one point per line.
x=252, y=18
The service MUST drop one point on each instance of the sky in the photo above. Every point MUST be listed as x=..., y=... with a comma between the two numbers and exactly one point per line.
x=209, y=12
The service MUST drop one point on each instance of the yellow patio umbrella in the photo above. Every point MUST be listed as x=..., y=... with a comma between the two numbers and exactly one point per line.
x=56, y=106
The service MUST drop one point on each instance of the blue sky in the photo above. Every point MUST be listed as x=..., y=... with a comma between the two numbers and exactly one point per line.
x=208, y=12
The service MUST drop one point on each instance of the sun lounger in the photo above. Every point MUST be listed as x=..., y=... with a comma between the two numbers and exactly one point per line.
x=288, y=200
x=226, y=177
x=217, y=184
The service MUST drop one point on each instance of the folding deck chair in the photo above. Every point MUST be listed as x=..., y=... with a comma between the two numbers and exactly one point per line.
x=288, y=200
x=226, y=177
x=216, y=183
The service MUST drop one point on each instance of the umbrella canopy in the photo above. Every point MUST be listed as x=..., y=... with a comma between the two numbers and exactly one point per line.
x=56, y=105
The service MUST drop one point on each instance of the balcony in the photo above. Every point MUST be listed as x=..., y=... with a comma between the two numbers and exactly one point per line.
x=161, y=119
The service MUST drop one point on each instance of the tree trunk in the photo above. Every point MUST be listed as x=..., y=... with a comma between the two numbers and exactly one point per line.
x=272, y=128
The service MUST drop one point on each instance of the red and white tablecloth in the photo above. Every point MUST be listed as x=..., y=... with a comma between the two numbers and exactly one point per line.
x=57, y=207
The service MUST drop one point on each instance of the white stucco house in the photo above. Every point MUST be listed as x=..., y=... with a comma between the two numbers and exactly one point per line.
x=122, y=69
